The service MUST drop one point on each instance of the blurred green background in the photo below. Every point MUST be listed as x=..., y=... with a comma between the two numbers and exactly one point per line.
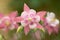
x=38, y=5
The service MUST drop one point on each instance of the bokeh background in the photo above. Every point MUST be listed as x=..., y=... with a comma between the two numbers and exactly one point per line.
x=38, y=5
x=7, y=6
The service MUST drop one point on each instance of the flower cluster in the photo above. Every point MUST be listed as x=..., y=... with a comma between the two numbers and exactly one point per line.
x=29, y=19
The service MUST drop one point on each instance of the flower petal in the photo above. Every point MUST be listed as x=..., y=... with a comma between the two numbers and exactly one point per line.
x=56, y=29
x=18, y=19
x=1, y=15
x=15, y=25
x=13, y=14
x=24, y=14
x=11, y=27
x=26, y=8
x=32, y=11
x=49, y=29
x=37, y=34
x=50, y=15
x=39, y=26
x=37, y=18
x=2, y=26
x=24, y=22
x=32, y=26
x=41, y=14
x=55, y=23
x=26, y=29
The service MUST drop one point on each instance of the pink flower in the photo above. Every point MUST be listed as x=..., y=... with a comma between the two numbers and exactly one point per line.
x=8, y=22
x=51, y=23
x=31, y=19
x=1, y=24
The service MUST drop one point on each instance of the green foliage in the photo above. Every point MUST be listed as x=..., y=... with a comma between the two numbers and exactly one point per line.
x=20, y=29
x=1, y=38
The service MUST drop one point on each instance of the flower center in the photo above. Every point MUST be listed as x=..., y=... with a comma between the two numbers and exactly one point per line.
x=52, y=20
x=7, y=23
x=29, y=19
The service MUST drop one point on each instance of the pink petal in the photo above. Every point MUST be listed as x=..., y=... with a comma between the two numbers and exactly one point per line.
x=18, y=19
x=56, y=29
x=39, y=26
x=1, y=15
x=2, y=26
x=16, y=26
x=13, y=14
x=41, y=14
x=26, y=30
x=26, y=8
x=49, y=29
x=24, y=14
x=13, y=26
x=37, y=34
x=32, y=13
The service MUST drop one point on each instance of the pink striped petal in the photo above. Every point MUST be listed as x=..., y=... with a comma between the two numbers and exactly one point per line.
x=26, y=30
x=26, y=8
x=18, y=19
x=49, y=29
x=39, y=26
x=41, y=14
x=56, y=29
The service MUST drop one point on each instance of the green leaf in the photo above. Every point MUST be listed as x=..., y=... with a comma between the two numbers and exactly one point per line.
x=19, y=29
x=1, y=38
x=41, y=22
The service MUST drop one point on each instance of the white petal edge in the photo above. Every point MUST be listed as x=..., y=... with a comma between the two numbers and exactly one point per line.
x=55, y=23
x=23, y=14
x=50, y=15
x=23, y=23
x=32, y=11
x=37, y=18
x=32, y=26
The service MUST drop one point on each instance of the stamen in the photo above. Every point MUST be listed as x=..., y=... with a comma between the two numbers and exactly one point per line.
x=29, y=19
x=52, y=20
x=7, y=23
